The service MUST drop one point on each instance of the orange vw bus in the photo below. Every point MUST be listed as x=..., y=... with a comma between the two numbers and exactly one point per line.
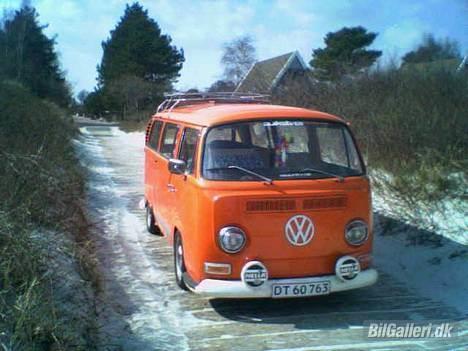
x=258, y=200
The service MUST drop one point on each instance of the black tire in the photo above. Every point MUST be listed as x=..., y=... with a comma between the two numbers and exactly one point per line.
x=179, y=264
x=150, y=222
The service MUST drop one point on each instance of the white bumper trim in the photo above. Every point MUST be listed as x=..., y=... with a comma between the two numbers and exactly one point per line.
x=237, y=289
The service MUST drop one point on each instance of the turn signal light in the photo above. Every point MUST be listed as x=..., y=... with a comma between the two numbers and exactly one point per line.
x=217, y=268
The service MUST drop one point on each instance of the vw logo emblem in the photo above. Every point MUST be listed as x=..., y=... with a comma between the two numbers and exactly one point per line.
x=299, y=230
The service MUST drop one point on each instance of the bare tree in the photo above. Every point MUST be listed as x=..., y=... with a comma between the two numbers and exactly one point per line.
x=239, y=55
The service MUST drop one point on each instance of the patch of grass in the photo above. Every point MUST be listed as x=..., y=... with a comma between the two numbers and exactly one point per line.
x=40, y=189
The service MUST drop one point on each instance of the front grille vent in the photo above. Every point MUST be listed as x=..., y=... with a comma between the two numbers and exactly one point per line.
x=270, y=205
x=319, y=203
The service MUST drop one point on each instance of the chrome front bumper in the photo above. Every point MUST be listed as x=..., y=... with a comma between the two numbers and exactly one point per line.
x=237, y=289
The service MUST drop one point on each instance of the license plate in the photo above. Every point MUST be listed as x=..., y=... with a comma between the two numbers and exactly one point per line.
x=301, y=289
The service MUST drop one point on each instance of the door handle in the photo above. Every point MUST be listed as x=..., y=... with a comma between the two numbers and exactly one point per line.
x=171, y=188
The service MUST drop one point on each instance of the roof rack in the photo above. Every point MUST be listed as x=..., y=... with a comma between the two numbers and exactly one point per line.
x=180, y=99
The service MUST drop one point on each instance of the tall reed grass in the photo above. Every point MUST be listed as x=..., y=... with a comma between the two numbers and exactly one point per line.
x=41, y=185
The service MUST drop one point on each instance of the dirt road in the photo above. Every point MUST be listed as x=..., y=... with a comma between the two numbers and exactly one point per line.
x=140, y=308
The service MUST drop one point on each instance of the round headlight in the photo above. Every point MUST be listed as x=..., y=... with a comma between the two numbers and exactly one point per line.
x=356, y=232
x=231, y=239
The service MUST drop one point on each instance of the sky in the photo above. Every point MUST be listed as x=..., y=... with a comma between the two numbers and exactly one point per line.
x=201, y=27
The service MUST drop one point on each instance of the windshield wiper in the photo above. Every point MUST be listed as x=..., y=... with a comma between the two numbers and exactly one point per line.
x=245, y=170
x=305, y=170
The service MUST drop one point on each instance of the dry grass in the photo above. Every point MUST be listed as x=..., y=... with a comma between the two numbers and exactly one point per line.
x=44, y=301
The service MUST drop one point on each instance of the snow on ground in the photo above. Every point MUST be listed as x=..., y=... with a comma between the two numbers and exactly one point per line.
x=437, y=271
x=133, y=309
x=434, y=263
x=447, y=218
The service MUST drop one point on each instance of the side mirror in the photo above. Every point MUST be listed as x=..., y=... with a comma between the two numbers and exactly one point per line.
x=176, y=166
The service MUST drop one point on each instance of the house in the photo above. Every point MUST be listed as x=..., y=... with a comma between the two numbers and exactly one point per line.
x=268, y=75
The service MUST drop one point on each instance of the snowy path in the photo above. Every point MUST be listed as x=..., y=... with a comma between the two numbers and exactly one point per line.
x=140, y=307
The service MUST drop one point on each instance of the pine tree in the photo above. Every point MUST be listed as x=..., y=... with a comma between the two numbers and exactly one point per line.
x=137, y=48
x=138, y=65
x=345, y=53
x=28, y=56
x=430, y=49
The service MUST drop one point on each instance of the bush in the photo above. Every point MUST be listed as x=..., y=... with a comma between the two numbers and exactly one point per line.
x=398, y=114
x=38, y=168
x=40, y=189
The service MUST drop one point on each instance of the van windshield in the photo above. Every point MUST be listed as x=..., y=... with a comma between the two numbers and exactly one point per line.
x=280, y=149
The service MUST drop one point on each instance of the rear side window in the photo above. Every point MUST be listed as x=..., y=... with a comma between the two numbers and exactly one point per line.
x=188, y=148
x=154, y=136
x=169, y=140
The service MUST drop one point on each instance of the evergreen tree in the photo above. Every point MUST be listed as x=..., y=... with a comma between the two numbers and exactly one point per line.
x=222, y=86
x=27, y=55
x=345, y=53
x=95, y=104
x=431, y=50
x=137, y=48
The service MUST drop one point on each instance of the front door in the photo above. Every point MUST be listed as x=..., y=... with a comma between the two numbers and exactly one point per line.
x=164, y=190
x=185, y=194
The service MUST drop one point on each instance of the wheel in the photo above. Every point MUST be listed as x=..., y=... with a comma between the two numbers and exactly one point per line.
x=179, y=265
x=150, y=222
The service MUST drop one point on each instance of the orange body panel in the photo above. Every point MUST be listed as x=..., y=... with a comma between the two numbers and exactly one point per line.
x=198, y=208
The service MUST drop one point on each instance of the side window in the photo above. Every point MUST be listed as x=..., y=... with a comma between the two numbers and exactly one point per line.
x=354, y=160
x=332, y=146
x=154, y=136
x=259, y=135
x=188, y=148
x=169, y=140
x=224, y=133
